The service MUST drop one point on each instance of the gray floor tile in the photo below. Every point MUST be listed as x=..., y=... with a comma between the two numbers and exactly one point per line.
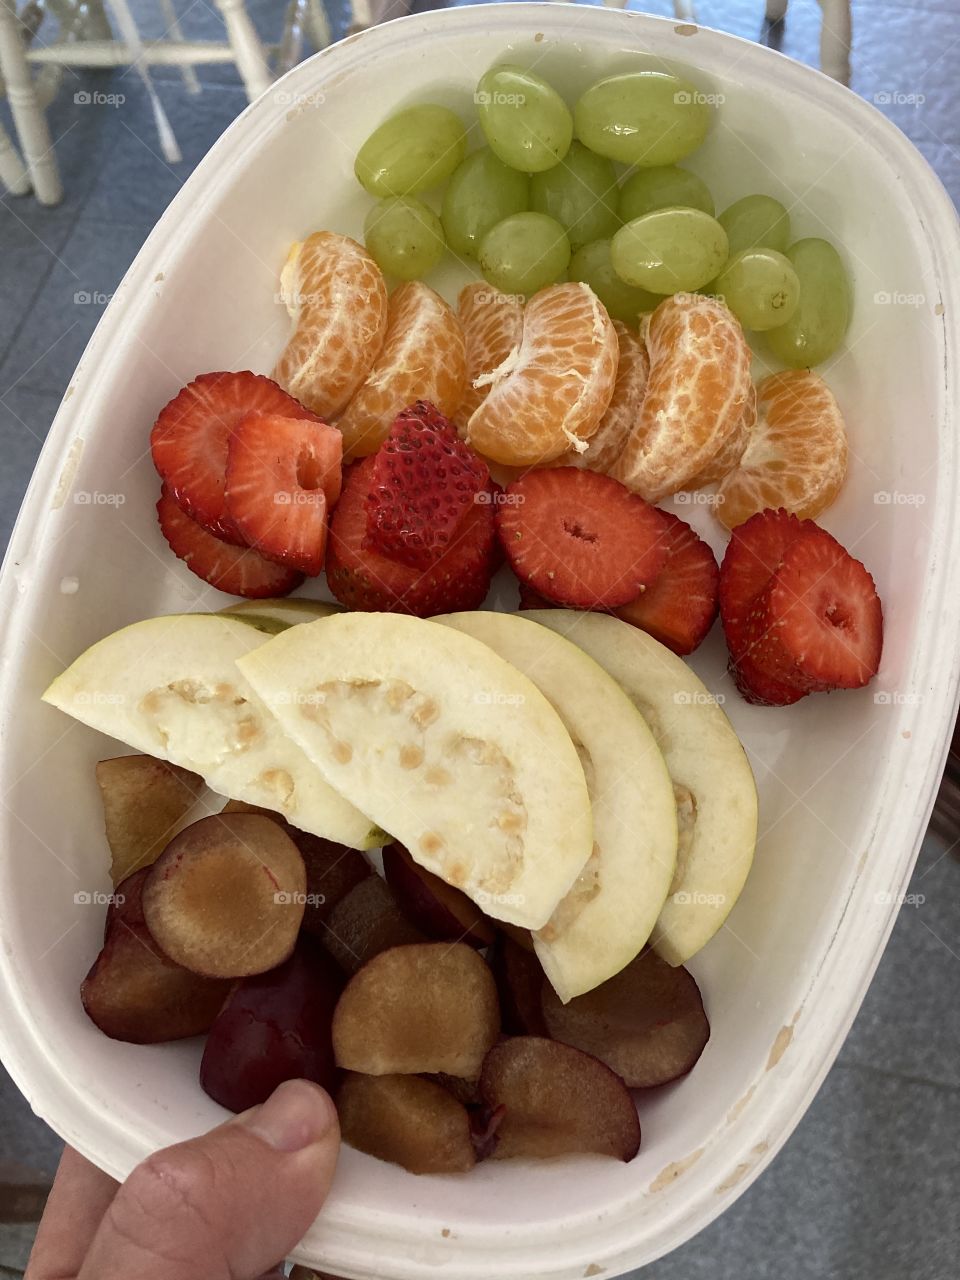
x=23, y=1137
x=25, y=418
x=31, y=246
x=864, y=1190
x=52, y=339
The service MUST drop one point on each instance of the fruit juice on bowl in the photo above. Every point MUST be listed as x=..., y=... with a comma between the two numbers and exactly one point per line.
x=783, y=980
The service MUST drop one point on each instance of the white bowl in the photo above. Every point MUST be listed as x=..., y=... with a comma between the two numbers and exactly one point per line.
x=846, y=782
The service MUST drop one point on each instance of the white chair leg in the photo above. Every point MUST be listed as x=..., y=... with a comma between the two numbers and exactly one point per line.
x=776, y=10
x=248, y=50
x=836, y=38
x=13, y=172
x=317, y=24
x=175, y=32
x=684, y=11
x=28, y=115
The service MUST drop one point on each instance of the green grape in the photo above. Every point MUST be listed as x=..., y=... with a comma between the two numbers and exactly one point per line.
x=404, y=237
x=818, y=326
x=760, y=287
x=665, y=187
x=756, y=222
x=646, y=118
x=524, y=119
x=411, y=151
x=481, y=193
x=669, y=250
x=524, y=253
x=592, y=265
x=581, y=193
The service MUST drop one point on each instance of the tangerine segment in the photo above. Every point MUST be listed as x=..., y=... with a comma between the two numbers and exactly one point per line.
x=553, y=393
x=337, y=297
x=797, y=454
x=697, y=393
x=633, y=369
x=422, y=358
x=732, y=451
x=492, y=325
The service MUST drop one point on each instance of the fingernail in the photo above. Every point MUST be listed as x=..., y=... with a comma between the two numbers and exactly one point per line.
x=296, y=1115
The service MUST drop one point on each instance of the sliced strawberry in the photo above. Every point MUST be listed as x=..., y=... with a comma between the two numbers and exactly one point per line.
x=582, y=539
x=236, y=570
x=190, y=438
x=281, y=475
x=821, y=616
x=424, y=483
x=680, y=606
x=364, y=579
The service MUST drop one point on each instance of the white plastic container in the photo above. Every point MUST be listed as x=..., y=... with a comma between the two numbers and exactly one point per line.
x=846, y=782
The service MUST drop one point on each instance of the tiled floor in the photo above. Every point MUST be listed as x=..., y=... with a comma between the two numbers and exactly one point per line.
x=867, y=1189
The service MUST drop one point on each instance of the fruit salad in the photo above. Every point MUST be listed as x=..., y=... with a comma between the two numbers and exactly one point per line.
x=564, y=813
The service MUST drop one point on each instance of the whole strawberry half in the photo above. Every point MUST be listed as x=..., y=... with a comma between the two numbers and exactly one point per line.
x=283, y=474
x=190, y=440
x=423, y=484
x=238, y=571
x=361, y=578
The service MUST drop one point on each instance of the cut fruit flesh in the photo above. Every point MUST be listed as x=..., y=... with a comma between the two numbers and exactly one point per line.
x=647, y=1023
x=272, y=616
x=716, y=793
x=144, y=800
x=558, y=1102
x=407, y=718
x=418, y=1009
x=366, y=921
x=170, y=687
x=225, y=898
x=406, y=1120
x=608, y=915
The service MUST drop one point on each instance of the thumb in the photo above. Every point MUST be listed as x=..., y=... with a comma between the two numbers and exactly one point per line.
x=225, y=1206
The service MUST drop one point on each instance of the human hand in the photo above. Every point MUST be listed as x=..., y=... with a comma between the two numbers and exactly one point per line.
x=225, y=1206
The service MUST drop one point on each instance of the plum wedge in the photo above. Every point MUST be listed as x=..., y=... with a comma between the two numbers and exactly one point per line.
x=143, y=801
x=435, y=907
x=647, y=1023
x=557, y=1101
x=366, y=921
x=520, y=978
x=225, y=898
x=133, y=992
x=274, y=1027
x=406, y=1120
x=418, y=1009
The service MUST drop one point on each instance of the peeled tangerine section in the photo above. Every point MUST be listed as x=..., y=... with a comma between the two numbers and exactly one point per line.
x=225, y=898
x=609, y=913
x=170, y=687
x=558, y=1101
x=409, y=1121
x=410, y=1010
x=713, y=783
x=447, y=746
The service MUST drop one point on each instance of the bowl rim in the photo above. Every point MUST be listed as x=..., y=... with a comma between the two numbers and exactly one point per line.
x=350, y=1239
